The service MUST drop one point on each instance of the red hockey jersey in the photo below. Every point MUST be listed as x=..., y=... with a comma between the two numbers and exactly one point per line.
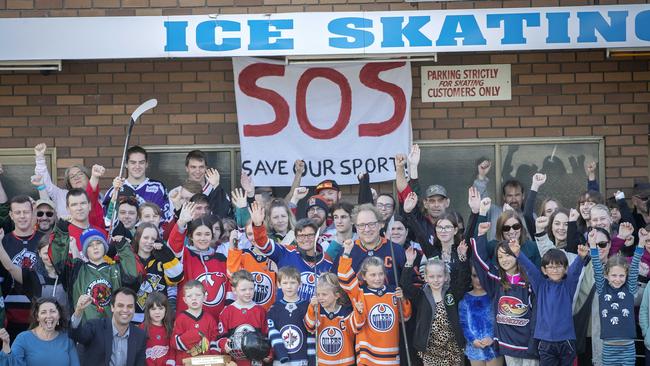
x=194, y=336
x=235, y=316
x=158, y=352
x=207, y=267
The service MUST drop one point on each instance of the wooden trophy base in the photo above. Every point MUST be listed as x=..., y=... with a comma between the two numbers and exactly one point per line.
x=217, y=360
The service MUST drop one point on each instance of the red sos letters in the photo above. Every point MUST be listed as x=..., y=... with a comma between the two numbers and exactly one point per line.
x=369, y=76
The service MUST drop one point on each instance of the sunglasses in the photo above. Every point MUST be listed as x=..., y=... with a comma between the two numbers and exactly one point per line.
x=41, y=213
x=602, y=244
x=507, y=228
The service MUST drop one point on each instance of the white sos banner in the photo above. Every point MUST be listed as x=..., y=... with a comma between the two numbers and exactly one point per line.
x=341, y=120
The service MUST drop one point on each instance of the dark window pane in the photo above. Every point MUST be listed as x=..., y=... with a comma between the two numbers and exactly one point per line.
x=563, y=164
x=455, y=168
x=18, y=170
x=169, y=167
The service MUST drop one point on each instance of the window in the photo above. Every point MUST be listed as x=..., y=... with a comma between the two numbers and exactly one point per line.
x=167, y=163
x=453, y=164
x=18, y=166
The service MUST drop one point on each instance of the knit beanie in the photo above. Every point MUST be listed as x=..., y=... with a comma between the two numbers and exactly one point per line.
x=88, y=236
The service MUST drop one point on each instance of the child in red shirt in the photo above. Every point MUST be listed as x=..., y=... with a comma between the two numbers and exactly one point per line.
x=195, y=330
x=158, y=326
x=242, y=314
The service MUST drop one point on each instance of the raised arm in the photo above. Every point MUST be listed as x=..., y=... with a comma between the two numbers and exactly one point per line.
x=346, y=274
x=217, y=199
x=529, y=208
x=299, y=169
x=406, y=279
x=414, y=161
x=595, y=260
x=400, y=172
x=633, y=276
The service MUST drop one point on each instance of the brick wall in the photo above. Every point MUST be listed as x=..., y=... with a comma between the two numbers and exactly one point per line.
x=84, y=109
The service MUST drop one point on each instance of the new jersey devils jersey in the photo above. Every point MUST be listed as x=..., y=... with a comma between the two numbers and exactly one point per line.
x=207, y=267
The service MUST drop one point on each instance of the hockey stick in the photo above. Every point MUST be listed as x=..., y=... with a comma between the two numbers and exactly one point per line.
x=317, y=307
x=400, y=306
x=151, y=103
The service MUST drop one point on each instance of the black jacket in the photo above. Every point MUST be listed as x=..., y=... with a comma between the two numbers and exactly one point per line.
x=97, y=337
x=459, y=282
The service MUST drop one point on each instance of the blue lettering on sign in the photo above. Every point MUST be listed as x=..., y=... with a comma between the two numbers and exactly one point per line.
x=393, y=31
x=261, y=34
x=513, y=25
x=469, y=31
x=176, y=36
x=641, y=27
x=404, y=31
x=558, y=27
x=205, y=35
x=343, y=26
x=590, y=21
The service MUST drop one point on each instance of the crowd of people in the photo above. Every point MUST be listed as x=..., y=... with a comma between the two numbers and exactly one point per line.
x=143, y=275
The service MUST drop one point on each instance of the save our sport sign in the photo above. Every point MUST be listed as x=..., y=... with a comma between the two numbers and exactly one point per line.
x=341, y=120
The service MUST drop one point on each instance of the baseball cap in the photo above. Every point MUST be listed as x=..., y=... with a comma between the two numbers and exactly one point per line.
x=45, y=202
x=327, y=184
x=317, y=201
x=436, y=190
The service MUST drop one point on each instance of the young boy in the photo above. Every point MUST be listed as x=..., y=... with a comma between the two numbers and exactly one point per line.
x=195, y=331
x=554, y=289
x=95, y=277
x=243, y=314
x=289, y=338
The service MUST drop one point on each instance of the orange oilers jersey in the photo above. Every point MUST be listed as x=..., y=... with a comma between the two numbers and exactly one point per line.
x=262, y=270
x=378, y=341
x=336, y=334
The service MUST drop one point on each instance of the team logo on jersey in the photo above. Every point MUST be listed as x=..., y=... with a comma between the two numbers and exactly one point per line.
x=292, y=338
x=511, y=310
x=307, y=282
x=263, y=288
x=331, y=341
x=156, y=352
x=153, y=282
x=24, y=259
x=215, y=287
x=100, y=290
x=382, y=317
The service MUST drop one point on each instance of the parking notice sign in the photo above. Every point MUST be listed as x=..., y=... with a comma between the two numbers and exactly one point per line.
x=466, y=83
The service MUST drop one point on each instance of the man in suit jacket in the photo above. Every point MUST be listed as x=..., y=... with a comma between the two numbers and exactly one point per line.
x=110, y=341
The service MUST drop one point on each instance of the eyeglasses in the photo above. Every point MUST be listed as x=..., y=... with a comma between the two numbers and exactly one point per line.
x=315, y=209
x=305, y=236
x=369, y=225
x=76, y=175
x=507, y=228
x=46, y=213
x=383, y=206
x=444, y=229
x=602, y=244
